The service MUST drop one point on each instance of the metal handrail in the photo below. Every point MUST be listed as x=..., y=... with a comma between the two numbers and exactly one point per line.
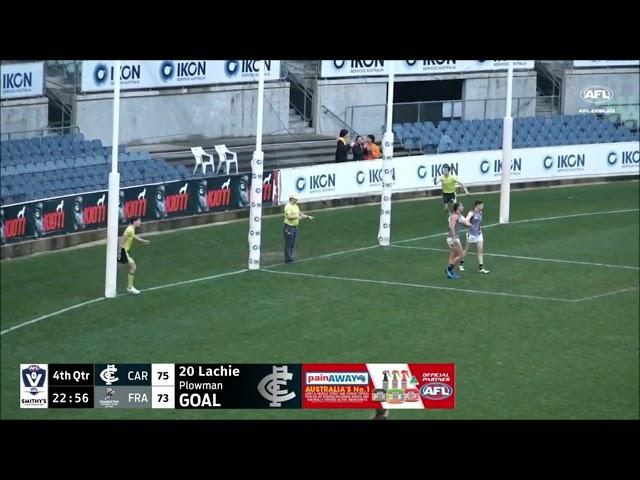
x=518, y=105
x=301, y=98
x=556, y=86
x=326, y=110
x=41, y=132
x=307, y=98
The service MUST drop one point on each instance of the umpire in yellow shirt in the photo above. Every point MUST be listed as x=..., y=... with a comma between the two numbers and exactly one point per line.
x=292, y=216
x=449, y=183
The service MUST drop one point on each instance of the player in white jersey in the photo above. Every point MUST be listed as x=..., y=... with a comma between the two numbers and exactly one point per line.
x=474, y=235
x=456, y=221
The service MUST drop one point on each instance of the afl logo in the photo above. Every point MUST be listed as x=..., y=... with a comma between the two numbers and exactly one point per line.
x=167, y=70
x=231, y=68
x=436, y=391
x=596, y=95
x=100, y=74
x=338, y=64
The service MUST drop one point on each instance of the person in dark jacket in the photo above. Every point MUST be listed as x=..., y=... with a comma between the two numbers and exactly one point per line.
x=358, y=149
x=343, y=146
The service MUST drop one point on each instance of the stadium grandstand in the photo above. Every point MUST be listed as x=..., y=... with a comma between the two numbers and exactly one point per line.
x=561, y=301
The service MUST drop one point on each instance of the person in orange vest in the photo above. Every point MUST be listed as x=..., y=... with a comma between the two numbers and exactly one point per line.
x=372, y=151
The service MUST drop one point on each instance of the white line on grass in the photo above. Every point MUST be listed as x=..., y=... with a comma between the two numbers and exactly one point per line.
x=542, y=219
x=158, y=287
x=525, y=258
x=417, y=285
x=73, y=307
x=202, y=279
x=49, y=315
x=606, y=294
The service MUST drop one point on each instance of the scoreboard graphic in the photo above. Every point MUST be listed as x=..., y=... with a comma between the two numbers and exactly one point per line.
x=236, y=386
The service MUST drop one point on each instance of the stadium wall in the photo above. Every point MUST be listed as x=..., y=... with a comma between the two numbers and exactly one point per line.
x=23, y=115
x=339, y=94
x=421, y=172
x=44, y=245
x=623, y=82
x=182, y=114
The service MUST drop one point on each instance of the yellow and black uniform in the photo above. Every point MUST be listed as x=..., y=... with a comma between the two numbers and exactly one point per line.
x=448, y=188
x=290, y=230
x=129, y=234
x=291, y=209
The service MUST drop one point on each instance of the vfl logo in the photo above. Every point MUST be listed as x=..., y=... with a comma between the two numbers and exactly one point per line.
x=596, y=95
x=167, y=70
x=108, y=375
x=269, y=386
x=436, y=391
x=33, y=378
x=231, y=68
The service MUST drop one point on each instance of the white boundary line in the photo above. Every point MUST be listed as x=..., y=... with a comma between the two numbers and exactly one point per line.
x=524, y=258
x=606, y=294
x=417, y=285
x=158, y=287
x=48, y=315
x=542, y=219
x=184, y=282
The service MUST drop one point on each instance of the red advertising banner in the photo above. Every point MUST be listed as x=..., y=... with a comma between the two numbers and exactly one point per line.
x=378, y=385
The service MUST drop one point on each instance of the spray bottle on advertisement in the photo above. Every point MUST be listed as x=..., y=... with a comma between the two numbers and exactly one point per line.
x=394, y=381
x=403, y=382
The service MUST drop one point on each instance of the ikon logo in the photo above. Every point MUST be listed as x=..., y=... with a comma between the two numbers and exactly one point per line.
x=597, y=94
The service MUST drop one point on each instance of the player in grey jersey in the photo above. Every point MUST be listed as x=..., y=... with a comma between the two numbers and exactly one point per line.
x=474, y=235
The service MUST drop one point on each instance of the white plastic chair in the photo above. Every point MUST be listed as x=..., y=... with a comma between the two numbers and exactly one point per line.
x=198, y=152
x=223, y=151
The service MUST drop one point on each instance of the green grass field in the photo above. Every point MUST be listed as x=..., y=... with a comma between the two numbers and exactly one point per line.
x=534, y=339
